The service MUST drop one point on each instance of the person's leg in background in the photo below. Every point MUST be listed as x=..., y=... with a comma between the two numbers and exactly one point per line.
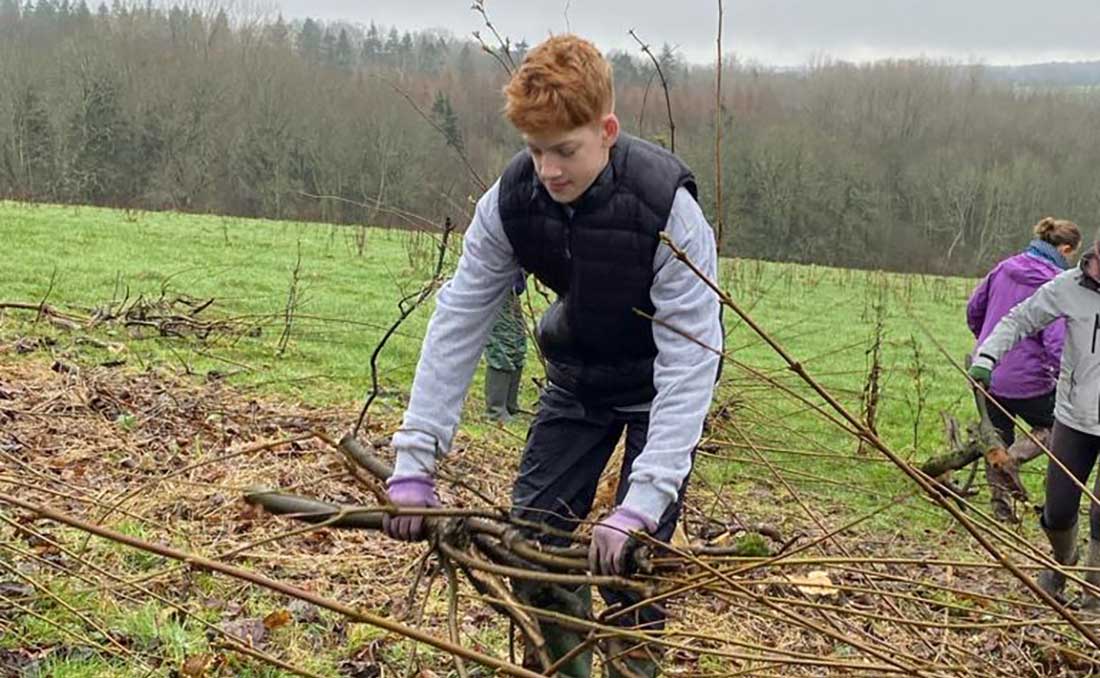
x=997, y=480
x=1005, y=487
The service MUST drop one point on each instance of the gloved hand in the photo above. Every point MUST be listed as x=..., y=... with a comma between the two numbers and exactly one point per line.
x=609, y=538
x=409, y=491
x=981, y=374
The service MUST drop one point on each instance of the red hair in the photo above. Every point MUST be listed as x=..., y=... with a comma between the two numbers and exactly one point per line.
x=563, y=83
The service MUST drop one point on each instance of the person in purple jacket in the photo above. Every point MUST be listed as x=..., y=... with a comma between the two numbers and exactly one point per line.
x=1025, y=380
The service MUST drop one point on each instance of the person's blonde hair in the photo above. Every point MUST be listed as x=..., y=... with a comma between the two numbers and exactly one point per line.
x=1058, y=232
x=563, y=83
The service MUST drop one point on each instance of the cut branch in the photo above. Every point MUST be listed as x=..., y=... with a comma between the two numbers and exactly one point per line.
x=201, y=563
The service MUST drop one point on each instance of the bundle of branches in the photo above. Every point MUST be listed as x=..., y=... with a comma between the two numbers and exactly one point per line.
x=167, y=315
x=487, y=545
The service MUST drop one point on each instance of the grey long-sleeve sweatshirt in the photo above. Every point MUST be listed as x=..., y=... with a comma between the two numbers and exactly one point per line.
x=683, y=370
x=1075, y=296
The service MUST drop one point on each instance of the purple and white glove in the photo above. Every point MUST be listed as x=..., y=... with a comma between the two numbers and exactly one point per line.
x=609, y=538
x=410, y=492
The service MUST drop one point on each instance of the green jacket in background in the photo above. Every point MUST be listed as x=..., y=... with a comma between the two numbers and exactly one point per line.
x=506, y=349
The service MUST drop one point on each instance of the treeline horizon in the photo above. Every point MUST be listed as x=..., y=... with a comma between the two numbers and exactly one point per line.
x=911, y=166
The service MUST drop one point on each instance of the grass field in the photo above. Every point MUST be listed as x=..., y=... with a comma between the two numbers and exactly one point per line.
x=79, y=258
x=85, y=257
x=825, y=317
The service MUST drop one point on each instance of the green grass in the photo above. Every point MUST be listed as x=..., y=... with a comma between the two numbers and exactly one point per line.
x=159, y=636
x=826, y=319
x=96, y=255
x=81, y=257
x=84, y=667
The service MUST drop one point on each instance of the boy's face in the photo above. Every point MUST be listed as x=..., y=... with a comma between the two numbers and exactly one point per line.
x=568, y=162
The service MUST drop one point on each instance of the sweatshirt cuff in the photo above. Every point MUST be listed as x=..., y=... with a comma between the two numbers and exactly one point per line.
x=986, y=361
x=416, y=454
x=647, y=501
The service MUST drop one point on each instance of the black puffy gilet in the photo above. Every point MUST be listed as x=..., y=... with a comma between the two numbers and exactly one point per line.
x=598, y=258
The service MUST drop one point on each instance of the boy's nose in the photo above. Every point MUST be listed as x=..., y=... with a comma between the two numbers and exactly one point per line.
x=549, y=171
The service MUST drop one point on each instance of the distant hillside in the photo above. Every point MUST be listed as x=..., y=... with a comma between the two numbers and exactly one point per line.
x=900, y=164
x=1070, y=74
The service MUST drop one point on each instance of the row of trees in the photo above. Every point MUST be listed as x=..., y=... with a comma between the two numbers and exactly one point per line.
x=900, y=165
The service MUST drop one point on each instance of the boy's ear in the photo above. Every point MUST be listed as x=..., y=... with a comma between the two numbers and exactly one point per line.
x=609, y=130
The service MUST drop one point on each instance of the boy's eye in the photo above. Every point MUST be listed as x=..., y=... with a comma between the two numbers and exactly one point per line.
x=568, y=153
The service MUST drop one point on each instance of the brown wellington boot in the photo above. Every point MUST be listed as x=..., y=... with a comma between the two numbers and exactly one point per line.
x=999, y=479
x=1025, y=449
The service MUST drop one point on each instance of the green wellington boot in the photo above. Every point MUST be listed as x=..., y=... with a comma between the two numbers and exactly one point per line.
x=498, y=383
x=513, y=390
x=559, y=640
x=1091, y=601
x=627, y=659
x=1064, y=545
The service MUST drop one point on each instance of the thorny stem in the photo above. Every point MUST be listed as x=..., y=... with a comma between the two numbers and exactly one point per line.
x=664, y=85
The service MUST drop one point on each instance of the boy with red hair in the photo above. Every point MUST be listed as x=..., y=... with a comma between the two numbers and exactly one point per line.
x=582, y=209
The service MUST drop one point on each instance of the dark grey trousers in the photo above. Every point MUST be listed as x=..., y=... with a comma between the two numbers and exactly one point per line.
x=1078, y=452
x=1038, y=412
x=568, y=446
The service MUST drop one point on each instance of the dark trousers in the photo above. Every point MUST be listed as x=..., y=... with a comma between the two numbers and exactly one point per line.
x=1077, y=451
x=1004, y=483
x=1038, y=412
x=568, y=446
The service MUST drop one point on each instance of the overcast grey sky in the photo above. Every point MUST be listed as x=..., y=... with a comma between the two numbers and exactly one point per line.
x=781, y=32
